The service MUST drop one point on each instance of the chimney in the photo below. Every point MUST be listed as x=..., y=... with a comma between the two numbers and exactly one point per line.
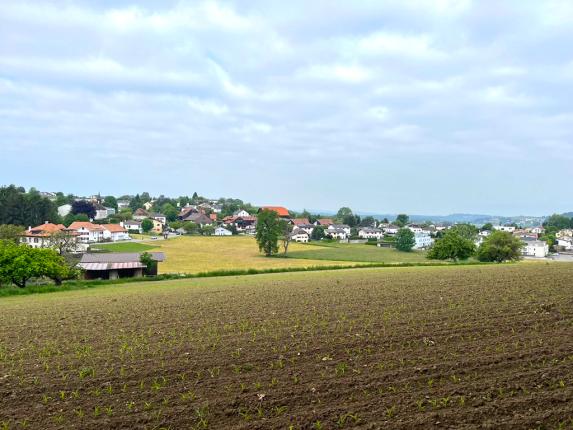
x=46, y=222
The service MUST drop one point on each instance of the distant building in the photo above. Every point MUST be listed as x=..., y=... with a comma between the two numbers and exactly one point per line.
x=370, y=233
x=63, y=210
x=535, y=248
x=114, y=265
x=343, y=227
x=222, y=231
x=40, y=236
x=325, y=222
x=115, y=232
x=241, y=212
x=123, y=204
x=159, y=217
x=140, y=214
x=506, y=228
x=423, y=240
x=87, y=232
x=132, y=226
x=300, y=235
x=282, y=212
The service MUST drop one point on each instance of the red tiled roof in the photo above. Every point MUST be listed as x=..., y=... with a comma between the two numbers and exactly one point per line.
x=325, y=221
x=45, y=229
x=213, y=217
x=76, y=225
x=114, y=228
x=300, y=221
x=281, y=211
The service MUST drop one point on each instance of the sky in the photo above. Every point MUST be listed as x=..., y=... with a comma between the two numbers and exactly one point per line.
x=417, y=106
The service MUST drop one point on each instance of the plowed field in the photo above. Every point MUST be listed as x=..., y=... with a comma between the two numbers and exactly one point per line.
x=426, y=347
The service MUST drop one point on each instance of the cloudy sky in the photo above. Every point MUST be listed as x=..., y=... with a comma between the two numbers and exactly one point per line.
x=419, y=106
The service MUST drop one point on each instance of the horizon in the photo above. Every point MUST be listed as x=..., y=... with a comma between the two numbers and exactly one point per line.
x=417, y=107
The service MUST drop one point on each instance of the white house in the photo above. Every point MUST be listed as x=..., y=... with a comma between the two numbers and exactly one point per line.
x=159, y=217
x=40, y=236
x=423, y=241
x=507, y=228
x=337, y=233
x=566, y=243
x=115, y=232
x=536, y=230
x=122, y=204
x=87, y=232
x=241, y=213
x=334, y=227
x=300, y=235
x=64, y=210
x=535, y=248
x=222, y=231
x=484, y=233
x=390, y=229
x=131, y=225
x=370, y=233
x=414, y=228
x=564, y=233
x=305, y=227
x=101, y=211
x=148, y=205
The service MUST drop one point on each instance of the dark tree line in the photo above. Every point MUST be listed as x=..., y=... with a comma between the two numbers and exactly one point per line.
x=25, y=208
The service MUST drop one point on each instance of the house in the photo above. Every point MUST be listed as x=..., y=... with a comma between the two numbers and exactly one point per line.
x=87, y=232
x=300, y=221
x=414, y=228
x=343, y=227
x=123, y=204
x=484, y=233
x=186, y=211
x=306, y=227
x=40, y=236
x=390, y=229
x=148, y=205
x=101, y=211
x=566, y=243
x=198, y=218
x=133, y=226
x=336, y=233
x=49, y=195
x=157, y=226
x=300, y=235
x=564, y=233
x=506, y=228
x=370, y=233
x=114, y=265
x=222, y=231
x=115, y=232
x=159, y=217
x=241, y=212
x=140, y=214
x=63, y=210
x=536, y=230
x=282, y=212
x=325, y=222
x=535, y=248
x=423, y=241
x=213, y=217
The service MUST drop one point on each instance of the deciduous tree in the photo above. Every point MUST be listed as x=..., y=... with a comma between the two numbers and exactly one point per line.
x=405, y=240
x=268, y=232
x=500, y=246
x=453, y=246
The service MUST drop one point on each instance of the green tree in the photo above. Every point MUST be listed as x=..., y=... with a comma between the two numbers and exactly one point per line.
x=83, y=207
x=402, y=220
x=11, y=233
x=150, y=264
x=500, y=246
x=110, y=202
x=146, y=225
x=487, y=226
x=170, y=212
x=466, y=231
x=268, y=232
x=343, y=212
x=558, y=222
x=317, y=233
x=367, y=222
x=453, y=246
x=405, y=240
x=207, y=230
x=190, y=227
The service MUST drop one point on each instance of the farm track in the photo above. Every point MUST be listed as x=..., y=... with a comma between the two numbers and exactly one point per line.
x=466, y=347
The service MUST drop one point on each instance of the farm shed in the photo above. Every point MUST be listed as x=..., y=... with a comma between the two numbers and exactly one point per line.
x=115, y=265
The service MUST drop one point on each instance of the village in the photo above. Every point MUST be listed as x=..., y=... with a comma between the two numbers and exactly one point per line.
x=122, y=223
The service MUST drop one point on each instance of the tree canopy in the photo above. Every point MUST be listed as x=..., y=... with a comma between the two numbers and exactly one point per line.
x=401, y=220
x=452, y=246
x=405, y=240
x=500, y=246
x=27, y=209
x=83, y=207
x=269, y=230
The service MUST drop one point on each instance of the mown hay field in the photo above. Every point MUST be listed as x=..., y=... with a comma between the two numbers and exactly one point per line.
x=402, y=348
x=193, y=254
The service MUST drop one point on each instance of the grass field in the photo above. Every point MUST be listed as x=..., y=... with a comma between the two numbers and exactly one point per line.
x=400, y=348
x=192, y=254
x=356, y=252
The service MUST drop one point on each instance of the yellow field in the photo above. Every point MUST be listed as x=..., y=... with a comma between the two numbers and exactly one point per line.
x=192, y=254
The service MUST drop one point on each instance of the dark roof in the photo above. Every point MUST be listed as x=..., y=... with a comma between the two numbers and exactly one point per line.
x=119, y=257
x=198, y=218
